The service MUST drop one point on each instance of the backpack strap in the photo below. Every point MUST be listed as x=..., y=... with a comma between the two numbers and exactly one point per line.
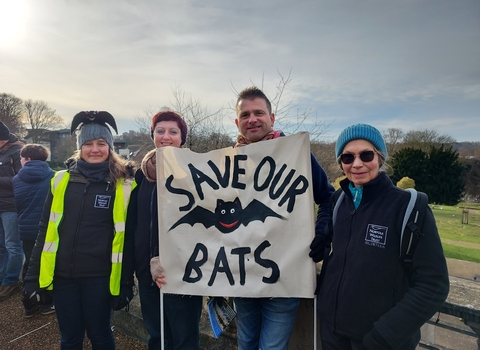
x=406, y=218
x=412, y=223
x=337, y=199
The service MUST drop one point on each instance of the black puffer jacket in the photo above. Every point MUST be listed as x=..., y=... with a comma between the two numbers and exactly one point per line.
x=85, y=232
x=9, y=167
x=365, y=293
x=141, y=233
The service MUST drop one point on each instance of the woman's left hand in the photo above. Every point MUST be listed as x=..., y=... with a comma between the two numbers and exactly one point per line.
x=157, y=271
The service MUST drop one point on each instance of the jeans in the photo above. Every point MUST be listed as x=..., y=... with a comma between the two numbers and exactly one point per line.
x=11, y=252
x=83, y=304
x=182, y=318
x=265, y=323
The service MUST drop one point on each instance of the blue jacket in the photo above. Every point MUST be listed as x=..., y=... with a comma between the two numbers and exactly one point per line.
x=30, y=187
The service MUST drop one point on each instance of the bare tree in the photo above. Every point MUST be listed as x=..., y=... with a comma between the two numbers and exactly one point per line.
x=325, y=155
x=205, y=127
x=63, y=149
x=289, y=117
x=11, y=110
x=425, y=139
x=143, y=121
x=393, y=138
x=206, y=131
x=41, y=118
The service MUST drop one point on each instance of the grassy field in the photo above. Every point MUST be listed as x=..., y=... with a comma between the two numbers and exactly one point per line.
x=451, y=229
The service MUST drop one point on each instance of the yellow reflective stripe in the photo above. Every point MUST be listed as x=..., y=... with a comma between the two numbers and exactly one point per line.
x=119, y=211
x=59, y=175
x=49, y=253
x=114, y=282
x=123, y=190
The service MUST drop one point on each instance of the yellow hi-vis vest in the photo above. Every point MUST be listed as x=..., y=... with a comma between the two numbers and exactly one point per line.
x=59, y=183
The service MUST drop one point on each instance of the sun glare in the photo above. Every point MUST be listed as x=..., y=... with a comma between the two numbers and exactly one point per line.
x=12, y=15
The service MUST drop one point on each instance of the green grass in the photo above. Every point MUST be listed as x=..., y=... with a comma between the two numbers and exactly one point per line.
x=450, y=227
x=449, y=223
x=461, y=253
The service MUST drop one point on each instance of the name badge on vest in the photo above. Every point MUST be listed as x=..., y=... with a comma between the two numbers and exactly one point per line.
x=102, y=202
x=376, y=235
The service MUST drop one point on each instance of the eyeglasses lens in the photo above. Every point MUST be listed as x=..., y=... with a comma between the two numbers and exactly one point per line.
x=366, y=157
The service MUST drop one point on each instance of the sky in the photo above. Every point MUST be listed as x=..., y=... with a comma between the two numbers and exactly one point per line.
x=412, y=65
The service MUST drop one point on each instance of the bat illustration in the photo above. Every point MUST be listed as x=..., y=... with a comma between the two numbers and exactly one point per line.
x=228, y=216
x=101, y=118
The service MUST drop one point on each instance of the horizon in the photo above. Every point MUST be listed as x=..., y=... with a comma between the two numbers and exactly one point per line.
x=409, y=65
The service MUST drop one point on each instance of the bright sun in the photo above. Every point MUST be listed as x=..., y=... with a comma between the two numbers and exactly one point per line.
x=12, y=16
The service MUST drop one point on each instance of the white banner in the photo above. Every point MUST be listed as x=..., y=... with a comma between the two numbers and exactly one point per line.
x=237, y=221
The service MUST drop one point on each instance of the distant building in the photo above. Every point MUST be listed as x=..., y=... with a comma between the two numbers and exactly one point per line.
x=62, y=144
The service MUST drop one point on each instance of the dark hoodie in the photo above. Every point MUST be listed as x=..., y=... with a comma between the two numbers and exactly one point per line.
x=9, y=167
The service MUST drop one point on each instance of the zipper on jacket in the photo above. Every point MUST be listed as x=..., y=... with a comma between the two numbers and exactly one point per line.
x=153, y=198
x=340, y=280
x=108, y=185
x=75, y=237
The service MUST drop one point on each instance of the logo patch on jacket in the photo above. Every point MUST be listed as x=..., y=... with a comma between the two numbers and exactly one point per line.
x=102, y=202
x=376, y=235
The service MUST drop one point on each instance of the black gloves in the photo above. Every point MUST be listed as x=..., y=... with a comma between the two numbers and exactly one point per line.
x=33, y=296
x=125, y=297
x=317, y=249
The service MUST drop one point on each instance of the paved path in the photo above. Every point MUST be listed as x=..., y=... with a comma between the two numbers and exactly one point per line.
x=461, y=268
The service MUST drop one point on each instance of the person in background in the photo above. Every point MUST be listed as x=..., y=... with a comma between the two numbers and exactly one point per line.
x=79, y=248
x=11, y=253
x=30, y=187
x=365, y=300
x=267, y=323
x=182, y=312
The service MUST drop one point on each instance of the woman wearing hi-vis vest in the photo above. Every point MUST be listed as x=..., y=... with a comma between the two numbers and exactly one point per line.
x=79, y=247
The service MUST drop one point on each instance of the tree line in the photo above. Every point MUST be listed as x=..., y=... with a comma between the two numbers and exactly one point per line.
x=424, y=156
x=19, y=115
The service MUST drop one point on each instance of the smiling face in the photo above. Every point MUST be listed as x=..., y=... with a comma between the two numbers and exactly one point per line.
x=95, y=151
x=253, y=119
x=360, y=172
x=167, y=133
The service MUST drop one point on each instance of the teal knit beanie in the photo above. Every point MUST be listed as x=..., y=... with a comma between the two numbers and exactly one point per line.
x=361, y=132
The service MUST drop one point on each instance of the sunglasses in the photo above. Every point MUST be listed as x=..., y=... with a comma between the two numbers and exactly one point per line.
x=366, y=156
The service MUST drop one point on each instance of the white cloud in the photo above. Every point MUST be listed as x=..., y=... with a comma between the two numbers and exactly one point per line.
x=413, y=63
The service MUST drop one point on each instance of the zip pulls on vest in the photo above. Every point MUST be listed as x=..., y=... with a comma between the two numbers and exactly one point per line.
x=108, y=185
x=350, y=215
x=77, y=230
